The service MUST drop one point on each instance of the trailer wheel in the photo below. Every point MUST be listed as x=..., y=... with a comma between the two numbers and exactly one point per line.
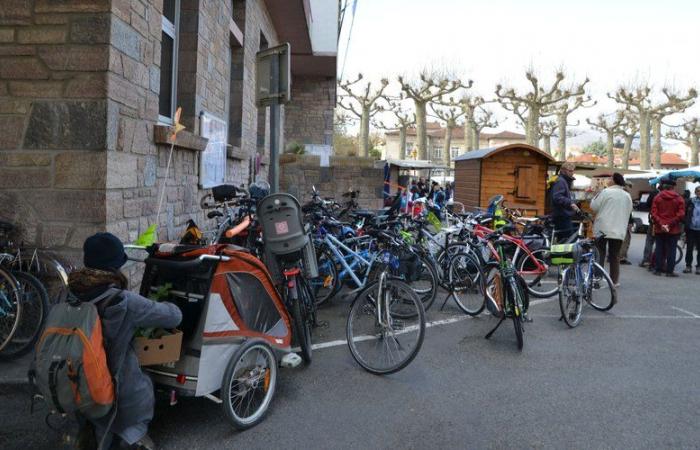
x=249, y=384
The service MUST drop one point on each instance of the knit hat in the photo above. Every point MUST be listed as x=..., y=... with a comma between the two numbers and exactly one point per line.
x=103, y=251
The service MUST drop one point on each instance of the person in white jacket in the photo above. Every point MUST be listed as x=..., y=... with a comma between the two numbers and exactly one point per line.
x=612, y=207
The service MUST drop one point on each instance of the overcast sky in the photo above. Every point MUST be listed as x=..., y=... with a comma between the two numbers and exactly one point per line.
x=612, y=42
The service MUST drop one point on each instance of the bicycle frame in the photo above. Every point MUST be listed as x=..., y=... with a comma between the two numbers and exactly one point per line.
x=334, y=245
x=481, y=231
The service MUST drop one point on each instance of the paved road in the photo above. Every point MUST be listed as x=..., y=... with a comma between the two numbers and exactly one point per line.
x=625, y=379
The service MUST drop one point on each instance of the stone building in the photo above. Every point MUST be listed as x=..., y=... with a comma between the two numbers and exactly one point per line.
x=436, y=141
x=88, y=90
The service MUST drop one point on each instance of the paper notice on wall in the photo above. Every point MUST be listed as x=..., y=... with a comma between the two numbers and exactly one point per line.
x=323, y=151
x=212, y=170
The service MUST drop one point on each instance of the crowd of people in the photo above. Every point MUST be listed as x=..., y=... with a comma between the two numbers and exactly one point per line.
x=670, y=216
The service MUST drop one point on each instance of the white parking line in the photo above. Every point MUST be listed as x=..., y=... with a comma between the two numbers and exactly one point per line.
x=621, y=316
x=695, y=316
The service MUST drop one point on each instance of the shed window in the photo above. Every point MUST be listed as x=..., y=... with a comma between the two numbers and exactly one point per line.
x=526, y=183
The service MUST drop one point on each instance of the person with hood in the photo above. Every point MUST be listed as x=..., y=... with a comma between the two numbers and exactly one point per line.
x=613, y=206
x=668, y=214
x=121, y=313
x=564, y=206
x=692, y=232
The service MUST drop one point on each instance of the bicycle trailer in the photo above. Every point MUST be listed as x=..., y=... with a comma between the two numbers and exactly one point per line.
x=228, y=304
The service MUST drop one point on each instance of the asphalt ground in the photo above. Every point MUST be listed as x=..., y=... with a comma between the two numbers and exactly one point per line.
x=624, y=379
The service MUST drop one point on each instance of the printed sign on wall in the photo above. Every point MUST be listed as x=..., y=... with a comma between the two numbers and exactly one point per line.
x=212, y=171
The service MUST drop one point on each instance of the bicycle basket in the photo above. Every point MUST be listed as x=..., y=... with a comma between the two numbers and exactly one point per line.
x=563, y=254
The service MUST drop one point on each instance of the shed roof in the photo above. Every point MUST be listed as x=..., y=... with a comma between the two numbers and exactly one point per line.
x=488, y=152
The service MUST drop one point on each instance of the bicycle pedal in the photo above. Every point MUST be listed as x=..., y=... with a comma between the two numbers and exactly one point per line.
x=290, y=361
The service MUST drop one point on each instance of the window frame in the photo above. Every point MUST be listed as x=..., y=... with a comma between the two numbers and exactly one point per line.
x=172, y=30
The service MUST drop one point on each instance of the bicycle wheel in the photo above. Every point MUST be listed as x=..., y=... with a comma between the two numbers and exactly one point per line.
x=324, y=286
x=519, y=303
x=249, y=384
x=424, y=281
x=10, y=307
x=540, y=276
x=302, y=322
x=570, y=304
x=35, y=304
x=467, y=284
x=389, y=346
x=601, y=294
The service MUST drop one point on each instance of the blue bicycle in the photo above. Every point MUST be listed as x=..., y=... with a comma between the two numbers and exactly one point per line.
x=584, y=280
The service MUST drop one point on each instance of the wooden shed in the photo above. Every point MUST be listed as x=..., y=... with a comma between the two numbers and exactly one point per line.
x=516, y=171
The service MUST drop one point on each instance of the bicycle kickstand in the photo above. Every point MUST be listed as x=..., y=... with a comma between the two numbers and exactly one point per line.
x=494, y=329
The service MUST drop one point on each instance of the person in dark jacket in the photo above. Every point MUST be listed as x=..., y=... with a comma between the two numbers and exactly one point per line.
x=564, y=206
x=647, y=258
x=692, y=232
x=668, y=214
x=121, y=312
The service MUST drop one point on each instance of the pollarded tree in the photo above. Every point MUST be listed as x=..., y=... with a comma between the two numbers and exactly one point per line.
x=451, y=116
x=483, y=119
x=548, y=128
x=628, y=129
x=562, y=111
x=469, y=105
x=537, y=101
x=639, y=100
x=426, y=89
x=363, y=102
x=402, y=119
x=691, y=138
x=611, y=129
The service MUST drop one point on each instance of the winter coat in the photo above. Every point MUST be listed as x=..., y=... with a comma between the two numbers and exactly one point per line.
x=120, y=319
x=668, y=208
x=690, y=207
x=561, y=196
x=613, y=206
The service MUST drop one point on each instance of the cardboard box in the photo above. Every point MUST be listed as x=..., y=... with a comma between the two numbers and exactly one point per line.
x=161, y=350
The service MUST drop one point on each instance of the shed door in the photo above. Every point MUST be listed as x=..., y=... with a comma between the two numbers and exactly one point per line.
x=526, y=184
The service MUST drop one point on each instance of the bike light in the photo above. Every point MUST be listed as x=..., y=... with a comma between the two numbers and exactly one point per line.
x=181, y=378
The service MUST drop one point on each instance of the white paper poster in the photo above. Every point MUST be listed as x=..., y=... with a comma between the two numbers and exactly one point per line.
x=212, y=171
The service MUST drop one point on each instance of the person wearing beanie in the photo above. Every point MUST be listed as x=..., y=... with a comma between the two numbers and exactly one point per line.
x=121, y=312
x=563, y=204
x=612, y=207
x=668, y=214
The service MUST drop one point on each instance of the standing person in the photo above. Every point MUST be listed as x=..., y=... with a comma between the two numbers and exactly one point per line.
x=563, y=204
x=613, y=206
x=448, y=191
x=668, y=213
x=628, y=237
x=647, y=258
x=103, y=256
x=692, y=232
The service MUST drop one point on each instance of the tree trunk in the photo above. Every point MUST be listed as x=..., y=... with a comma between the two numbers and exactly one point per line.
x=468, y=142
x=610, y=148
x=402, y=143
x=547, y=144
x=421, y=132
x=626, y=151
x=364, y=133
x=656, y=128
x=446, y=148
x=533, y=126
x=694, y=148
x=476, y=135
x=562, y=118
x=644, y=140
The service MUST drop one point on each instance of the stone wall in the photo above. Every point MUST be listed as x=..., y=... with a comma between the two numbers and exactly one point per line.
x=53, y=117
x=298, y=173
x=79, y=85
x=309, y=117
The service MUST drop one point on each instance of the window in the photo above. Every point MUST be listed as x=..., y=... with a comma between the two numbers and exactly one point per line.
x=525, y=184
x=437, y=153
x=235, y=127
x=454, y=152
x=263, y=142
x=167, y=99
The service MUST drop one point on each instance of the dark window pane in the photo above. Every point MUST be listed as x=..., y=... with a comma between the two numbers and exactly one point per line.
x=165, y=107
x=169, y=10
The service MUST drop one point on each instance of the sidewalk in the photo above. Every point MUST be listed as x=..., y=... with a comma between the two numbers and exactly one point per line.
x=15, y=372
